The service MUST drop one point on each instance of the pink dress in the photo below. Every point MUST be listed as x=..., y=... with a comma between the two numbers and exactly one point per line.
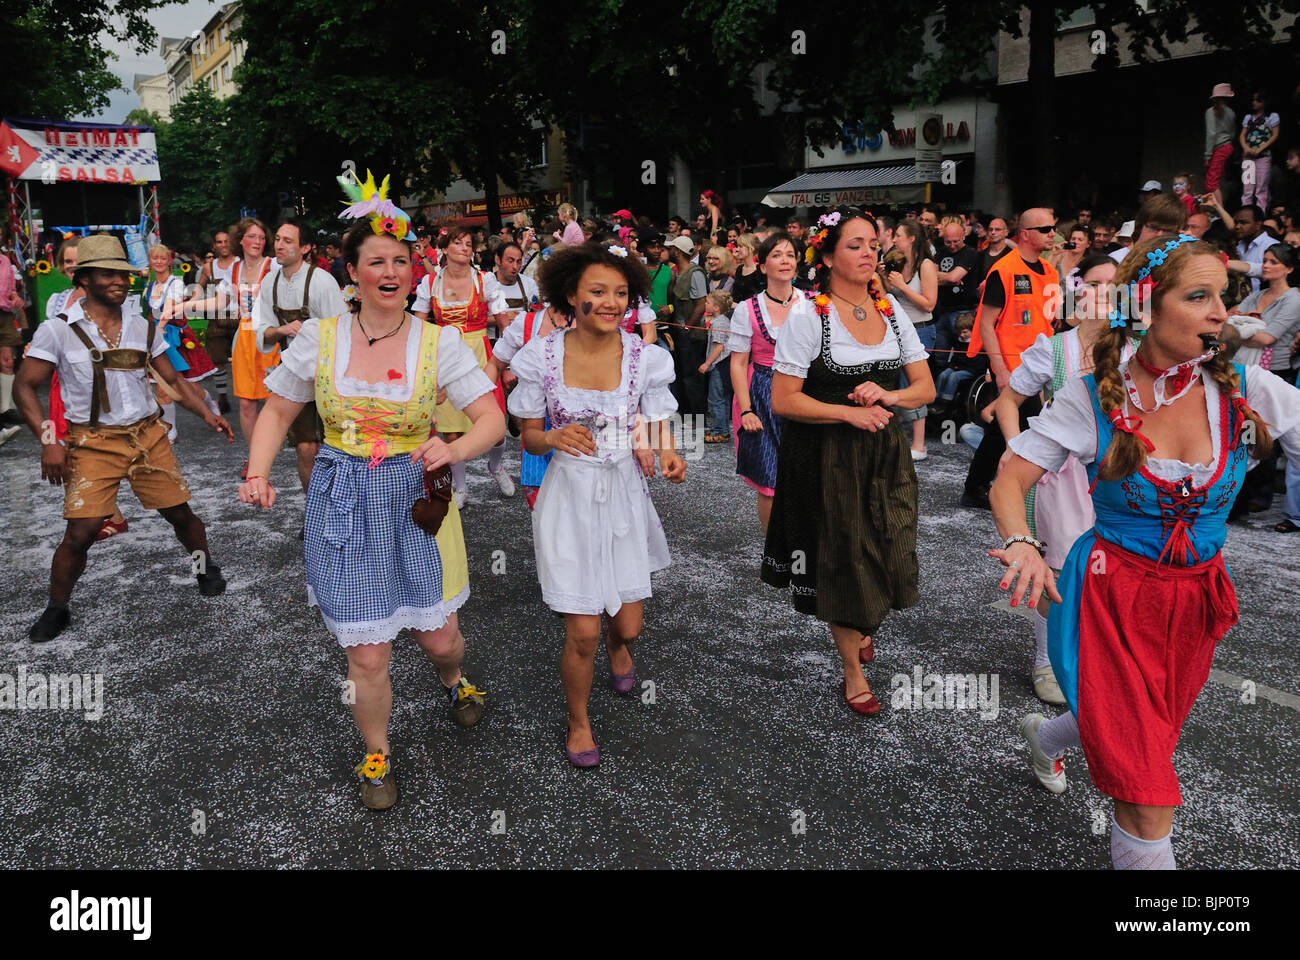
x=756, y=453
x=1061, y=504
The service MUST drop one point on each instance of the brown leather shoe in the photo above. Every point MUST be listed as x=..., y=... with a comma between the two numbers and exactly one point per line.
x=378, y=788
x=466, y=702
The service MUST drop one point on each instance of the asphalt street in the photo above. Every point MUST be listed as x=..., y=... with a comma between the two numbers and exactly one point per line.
x=225, y=741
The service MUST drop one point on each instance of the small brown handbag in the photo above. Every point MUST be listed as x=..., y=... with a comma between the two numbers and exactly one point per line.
x=430, y=510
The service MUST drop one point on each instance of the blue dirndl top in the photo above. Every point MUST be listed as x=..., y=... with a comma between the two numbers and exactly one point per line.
x=1171, y=522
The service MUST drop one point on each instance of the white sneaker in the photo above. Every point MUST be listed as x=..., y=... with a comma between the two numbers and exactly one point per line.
x=919, y=454
x=1046, y=688
x=504, y=482
x=8, y=433
x=462, y=497
x=1049, y=771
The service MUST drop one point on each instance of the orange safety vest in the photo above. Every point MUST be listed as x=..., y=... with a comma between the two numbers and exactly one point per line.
x=1023, y=316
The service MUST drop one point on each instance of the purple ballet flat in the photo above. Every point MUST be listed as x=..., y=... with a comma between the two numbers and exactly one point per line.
x=624, y=684
x=587, y=758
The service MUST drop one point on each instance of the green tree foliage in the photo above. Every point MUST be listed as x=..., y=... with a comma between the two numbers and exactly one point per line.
x=418, y=95
x=55, y=54
x=192, y=156
x=140, y=117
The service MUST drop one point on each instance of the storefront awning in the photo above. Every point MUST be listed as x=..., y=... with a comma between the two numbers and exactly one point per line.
x=861, y=187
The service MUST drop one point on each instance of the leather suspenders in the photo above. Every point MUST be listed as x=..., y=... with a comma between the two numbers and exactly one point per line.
x=119, y=359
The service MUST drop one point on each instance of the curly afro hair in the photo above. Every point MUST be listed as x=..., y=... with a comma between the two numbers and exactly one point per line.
x=560, y=274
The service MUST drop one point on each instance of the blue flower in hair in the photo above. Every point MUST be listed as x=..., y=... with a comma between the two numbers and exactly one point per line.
x=1157, y=257
x=1117, y=319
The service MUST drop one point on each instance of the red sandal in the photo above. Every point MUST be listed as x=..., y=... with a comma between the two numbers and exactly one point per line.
x=868, y=708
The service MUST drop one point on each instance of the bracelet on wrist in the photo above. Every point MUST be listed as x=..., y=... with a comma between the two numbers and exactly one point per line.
x=743, y=412
x=1036, y=544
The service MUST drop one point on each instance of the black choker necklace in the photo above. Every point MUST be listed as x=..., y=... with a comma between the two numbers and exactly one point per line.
x=785, y=303
x=371, y=341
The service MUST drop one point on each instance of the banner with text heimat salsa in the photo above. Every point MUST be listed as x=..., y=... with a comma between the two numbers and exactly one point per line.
x=56, y=152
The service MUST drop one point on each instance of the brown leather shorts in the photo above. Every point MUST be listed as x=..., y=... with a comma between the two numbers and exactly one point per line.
x=306, y=427
x=100, y=458
x=9, y=333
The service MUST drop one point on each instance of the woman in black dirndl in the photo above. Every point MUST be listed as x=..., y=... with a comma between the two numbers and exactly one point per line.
x=842, y=537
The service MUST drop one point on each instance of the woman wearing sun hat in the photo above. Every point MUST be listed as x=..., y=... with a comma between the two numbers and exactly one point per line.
x=1220, y=132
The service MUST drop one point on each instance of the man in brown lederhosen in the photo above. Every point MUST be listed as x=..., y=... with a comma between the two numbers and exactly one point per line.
x=276, y=324
x=105, y=354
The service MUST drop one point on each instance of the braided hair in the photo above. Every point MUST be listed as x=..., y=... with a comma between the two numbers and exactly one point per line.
x=1127, y=453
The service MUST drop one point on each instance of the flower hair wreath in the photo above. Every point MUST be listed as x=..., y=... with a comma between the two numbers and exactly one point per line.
x=824, y=224
x=1144, y=284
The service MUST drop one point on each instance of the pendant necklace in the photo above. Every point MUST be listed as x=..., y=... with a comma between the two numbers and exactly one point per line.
x=858, y=313
x=783, y=303
x=371, y=341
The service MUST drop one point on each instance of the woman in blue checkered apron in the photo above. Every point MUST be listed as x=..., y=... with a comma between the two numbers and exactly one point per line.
x=372, y=568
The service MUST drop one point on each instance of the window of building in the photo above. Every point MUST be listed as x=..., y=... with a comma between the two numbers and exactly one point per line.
x=537, y=148
x=225, y=72
x=223, y=34
x=1082, y=17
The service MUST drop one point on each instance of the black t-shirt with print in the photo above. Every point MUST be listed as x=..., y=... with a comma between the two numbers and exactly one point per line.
x=954, y=297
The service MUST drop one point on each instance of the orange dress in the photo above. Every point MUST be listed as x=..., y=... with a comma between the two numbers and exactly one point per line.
x=248, y=365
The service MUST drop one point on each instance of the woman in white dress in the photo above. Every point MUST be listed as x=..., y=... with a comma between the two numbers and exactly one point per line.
x=596, y=534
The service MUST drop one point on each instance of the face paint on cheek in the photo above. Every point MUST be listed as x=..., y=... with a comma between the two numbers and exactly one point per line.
x=587, y=307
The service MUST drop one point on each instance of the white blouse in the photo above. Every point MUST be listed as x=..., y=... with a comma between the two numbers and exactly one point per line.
x=173, y=288
x=458, y=369
x=801, y=341
x=655, y=400
x=1067, y=426
x=511, y=340
x=742, y=331
x=1038, y=366
x=430, y=286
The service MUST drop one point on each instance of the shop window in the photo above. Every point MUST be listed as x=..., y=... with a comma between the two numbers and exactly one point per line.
x=537, y=156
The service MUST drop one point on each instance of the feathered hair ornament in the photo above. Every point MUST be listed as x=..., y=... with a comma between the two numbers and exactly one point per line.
x=372, y=202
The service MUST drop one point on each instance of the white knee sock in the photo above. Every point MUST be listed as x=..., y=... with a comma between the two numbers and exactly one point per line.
x=169, y=417
x=1040, y=641
x=6, y=391
x=1128, y=852
x=458, y=476
x=1058, y=734
x=221, y=380
x=494, y=456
